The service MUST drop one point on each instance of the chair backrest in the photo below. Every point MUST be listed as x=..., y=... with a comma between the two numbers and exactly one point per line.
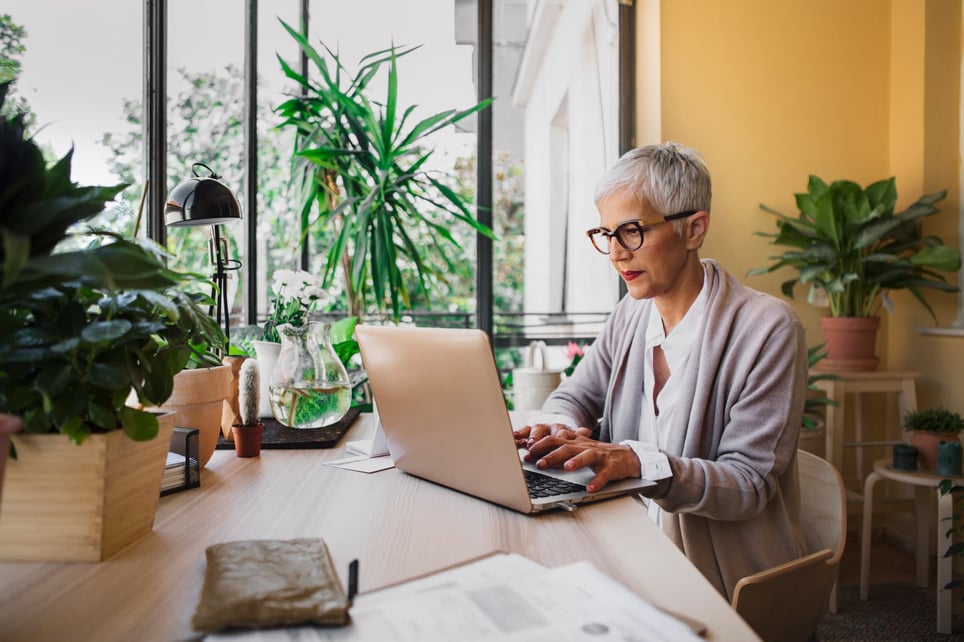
x=787, y=602
x=823, y=505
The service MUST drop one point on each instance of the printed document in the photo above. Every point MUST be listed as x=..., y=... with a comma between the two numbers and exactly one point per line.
x=572, y=602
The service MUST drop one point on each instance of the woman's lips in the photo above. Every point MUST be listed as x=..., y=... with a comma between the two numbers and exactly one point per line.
x=629, y=276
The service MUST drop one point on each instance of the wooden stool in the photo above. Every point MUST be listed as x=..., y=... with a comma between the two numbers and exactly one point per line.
x=924, y=482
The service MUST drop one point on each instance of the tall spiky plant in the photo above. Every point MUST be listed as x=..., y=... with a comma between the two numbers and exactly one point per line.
x=363, y=167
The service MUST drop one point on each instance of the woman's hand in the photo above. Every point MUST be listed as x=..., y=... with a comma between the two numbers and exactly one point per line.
x=610, y=462
x=526, y=436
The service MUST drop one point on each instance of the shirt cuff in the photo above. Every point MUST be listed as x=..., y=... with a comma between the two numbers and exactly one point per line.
x=652, y=463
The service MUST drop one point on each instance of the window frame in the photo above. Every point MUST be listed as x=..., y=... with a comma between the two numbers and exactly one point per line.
x=155, y=137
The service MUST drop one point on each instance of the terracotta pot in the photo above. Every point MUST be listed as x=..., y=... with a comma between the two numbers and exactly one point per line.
x=851, y=343
x=247, y=440
x=197, y=401
x=926, y=444
x=230, y=413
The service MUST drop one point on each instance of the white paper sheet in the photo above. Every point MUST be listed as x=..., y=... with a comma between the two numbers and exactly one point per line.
x=576, y=602
x=363, y=463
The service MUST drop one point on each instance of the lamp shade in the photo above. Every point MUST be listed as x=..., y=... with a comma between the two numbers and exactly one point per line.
x=201, y=200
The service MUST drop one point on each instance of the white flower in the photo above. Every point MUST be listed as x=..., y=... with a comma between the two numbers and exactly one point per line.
x=297, y=285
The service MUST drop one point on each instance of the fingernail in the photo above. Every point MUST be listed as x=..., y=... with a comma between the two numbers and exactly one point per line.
x=541, y=463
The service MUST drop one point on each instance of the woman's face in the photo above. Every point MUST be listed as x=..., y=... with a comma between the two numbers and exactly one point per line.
x=657, y=268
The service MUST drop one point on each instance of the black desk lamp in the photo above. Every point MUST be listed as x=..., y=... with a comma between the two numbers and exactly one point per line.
x=205, y=200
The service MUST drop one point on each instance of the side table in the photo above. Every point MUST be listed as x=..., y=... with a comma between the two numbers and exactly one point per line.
x=903, y=383
x=924, y=482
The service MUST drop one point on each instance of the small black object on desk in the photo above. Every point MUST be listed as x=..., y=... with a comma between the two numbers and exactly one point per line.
x=905, y=457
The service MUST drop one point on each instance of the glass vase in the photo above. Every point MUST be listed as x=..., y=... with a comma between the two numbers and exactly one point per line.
x=309, y=387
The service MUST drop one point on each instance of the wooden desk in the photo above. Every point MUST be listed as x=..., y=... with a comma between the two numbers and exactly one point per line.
x=398, y=526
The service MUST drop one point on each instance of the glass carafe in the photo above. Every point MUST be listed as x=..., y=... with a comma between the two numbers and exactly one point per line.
x=309, y=387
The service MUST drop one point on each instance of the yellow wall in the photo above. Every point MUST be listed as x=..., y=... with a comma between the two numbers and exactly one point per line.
x=771, y=92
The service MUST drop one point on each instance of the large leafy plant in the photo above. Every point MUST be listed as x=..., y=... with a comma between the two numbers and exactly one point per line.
x=362, y=165
x=848, y=242
x=80, y=330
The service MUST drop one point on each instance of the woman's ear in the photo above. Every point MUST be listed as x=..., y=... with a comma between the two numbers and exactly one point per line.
x=699, y=225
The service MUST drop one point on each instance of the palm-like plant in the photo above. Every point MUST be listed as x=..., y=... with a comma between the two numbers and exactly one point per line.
x=365, y=169
x=848, y=242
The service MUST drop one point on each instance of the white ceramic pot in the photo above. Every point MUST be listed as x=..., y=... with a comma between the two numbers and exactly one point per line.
x=532, y=384
x=267, y=354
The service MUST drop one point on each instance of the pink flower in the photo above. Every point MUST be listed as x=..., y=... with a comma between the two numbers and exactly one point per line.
x=573, y=350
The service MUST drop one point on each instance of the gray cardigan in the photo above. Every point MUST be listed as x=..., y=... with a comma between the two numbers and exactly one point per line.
x=733, y=502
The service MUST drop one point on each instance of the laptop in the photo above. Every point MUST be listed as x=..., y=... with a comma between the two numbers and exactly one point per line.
x=441, y=407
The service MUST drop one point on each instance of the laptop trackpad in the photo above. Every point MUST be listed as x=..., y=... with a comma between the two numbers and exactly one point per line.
x=582, y=476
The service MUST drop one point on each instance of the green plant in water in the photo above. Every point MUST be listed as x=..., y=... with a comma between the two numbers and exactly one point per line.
x=848, y=242
x=362, y=165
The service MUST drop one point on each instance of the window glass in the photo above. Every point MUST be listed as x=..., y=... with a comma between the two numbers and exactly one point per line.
x=555, y=133
x=75, y=93
x=435, y=74
x=205, y=123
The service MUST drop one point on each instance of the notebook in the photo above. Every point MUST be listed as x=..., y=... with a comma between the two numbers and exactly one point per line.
x=441, y=407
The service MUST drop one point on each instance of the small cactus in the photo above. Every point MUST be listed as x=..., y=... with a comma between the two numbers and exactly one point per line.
x=249, y=392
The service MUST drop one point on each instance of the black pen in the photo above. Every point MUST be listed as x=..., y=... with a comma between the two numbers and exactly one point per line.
x=352, y=580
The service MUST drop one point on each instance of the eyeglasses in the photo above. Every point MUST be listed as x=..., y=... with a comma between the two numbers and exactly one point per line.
x=629, y=234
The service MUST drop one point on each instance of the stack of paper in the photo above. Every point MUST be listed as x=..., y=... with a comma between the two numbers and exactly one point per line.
x=500, y=597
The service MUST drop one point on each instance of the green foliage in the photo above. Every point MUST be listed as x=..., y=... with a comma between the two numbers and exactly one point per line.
x=81, y=329
x=816, y=401
x=956, y=548
x=362, y=166
x=343, y=339
x=12, y=50
x=848, y=242
x=205, y=123
x=934, y=420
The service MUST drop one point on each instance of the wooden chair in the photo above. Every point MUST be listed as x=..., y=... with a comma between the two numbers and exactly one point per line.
x=788, y=601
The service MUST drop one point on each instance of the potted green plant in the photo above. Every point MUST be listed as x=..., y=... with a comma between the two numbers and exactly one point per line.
x=80, y=331
x=848, y=244
x=294, y=296
x=928, y=427
x=365, y=169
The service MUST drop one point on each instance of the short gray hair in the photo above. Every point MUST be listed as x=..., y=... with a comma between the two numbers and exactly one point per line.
x=670, y=178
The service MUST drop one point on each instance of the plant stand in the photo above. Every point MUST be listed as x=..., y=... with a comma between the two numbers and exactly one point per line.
x=68, y=503
x=924, y=483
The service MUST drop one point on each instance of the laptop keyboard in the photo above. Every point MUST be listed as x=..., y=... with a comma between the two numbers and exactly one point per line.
x=545, y=486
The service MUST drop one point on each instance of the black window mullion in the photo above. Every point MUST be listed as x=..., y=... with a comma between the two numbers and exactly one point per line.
x=484, y=293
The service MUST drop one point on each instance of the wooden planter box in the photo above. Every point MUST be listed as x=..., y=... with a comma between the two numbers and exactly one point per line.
x=68, y=503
